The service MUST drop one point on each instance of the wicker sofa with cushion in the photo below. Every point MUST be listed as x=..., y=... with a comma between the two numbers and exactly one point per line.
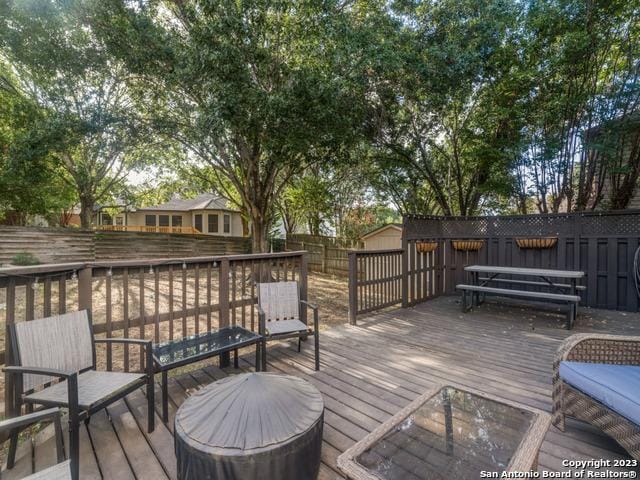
x=596, y=379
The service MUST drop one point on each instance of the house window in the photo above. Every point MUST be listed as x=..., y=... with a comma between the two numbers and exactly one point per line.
x=197, y=222
x=119, y=221
x=106, y=219
x=212, y=220
x=227, y=224
x=176, y=220
x=163, y=220
x=150, y=220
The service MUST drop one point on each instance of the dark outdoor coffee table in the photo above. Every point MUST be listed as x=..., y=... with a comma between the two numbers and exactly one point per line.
x=186, y=350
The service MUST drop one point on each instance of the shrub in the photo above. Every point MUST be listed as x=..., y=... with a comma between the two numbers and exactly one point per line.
x=25, y=259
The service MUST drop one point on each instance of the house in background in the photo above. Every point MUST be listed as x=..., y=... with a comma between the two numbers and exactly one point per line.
x=206, y=214
x=115, y=213
x=383, y=238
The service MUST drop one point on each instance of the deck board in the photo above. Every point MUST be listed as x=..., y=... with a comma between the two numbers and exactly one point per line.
x=368, y=373
x=111, y=458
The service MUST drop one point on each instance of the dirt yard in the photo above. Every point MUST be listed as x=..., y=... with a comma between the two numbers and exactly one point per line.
x=331, y=294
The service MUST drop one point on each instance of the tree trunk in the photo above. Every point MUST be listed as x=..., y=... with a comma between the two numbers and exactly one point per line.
x=86, y=211
x=259, y=241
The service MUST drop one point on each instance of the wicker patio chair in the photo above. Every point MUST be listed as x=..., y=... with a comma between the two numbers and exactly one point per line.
x=568, y=400
x=279, y=308
x=63, y=348
x=62, y=469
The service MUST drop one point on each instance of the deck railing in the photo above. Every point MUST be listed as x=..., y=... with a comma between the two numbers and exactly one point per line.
x=146, y=229
x=382, y=278
x=158, y=299
x=375, y=280
x=424, y=270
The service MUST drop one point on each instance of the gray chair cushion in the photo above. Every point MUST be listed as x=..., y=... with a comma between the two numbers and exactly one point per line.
x=616, y=386
x=60, y=471
x=93, y=387
x=282, y=327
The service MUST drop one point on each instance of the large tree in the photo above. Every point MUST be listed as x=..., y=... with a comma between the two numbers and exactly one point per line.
x=582, y=128
x=452, y=116
x=64, y=69
x=30, y=179
x=256, y=91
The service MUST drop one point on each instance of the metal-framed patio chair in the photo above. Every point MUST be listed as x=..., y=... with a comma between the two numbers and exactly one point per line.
x=279, y=308
x=63, y=347
x=62, y=469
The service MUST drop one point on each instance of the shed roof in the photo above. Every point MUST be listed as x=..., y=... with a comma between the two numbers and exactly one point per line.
x=395, y=226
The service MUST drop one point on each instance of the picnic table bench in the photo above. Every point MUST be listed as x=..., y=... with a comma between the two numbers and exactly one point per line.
x=545, y=278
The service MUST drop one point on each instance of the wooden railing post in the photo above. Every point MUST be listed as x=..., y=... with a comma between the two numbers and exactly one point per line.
x=304, y=273
x=9, y=394
x=405, y=270
x=223, y=302
x=85, y=289
x=353, y=287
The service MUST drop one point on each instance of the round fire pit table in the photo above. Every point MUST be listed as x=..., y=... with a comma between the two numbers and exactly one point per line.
x=250, y=426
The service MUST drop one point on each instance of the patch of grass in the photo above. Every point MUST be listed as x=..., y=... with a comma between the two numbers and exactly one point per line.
x=24, y=259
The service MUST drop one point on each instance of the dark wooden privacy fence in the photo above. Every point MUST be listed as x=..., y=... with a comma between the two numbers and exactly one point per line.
x=375, y=280
x=436, y=250
x=602, y=244
x=157, y=299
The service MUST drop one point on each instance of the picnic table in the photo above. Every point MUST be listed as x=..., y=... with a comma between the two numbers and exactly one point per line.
x=546, y=281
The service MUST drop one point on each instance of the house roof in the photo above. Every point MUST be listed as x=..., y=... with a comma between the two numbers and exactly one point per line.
x=205, y=201
x=116, y=203
x=396, y=226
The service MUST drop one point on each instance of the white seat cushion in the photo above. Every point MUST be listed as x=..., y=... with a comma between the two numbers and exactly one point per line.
x=93, y=386
x=282, y=327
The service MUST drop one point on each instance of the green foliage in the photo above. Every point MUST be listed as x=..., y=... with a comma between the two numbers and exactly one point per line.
x=363, y=219
x=307, y=201
x=84, y=121
x=31, y=181
x=255, y=91
x=24, y=259
x=451, y=120
x=325, y=114
x=583, y=58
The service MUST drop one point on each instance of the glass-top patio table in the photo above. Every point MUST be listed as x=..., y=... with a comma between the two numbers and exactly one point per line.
x=446, y=433
x=186, y=350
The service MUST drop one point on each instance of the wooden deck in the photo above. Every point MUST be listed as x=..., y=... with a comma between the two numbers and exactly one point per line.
x=368, y=373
